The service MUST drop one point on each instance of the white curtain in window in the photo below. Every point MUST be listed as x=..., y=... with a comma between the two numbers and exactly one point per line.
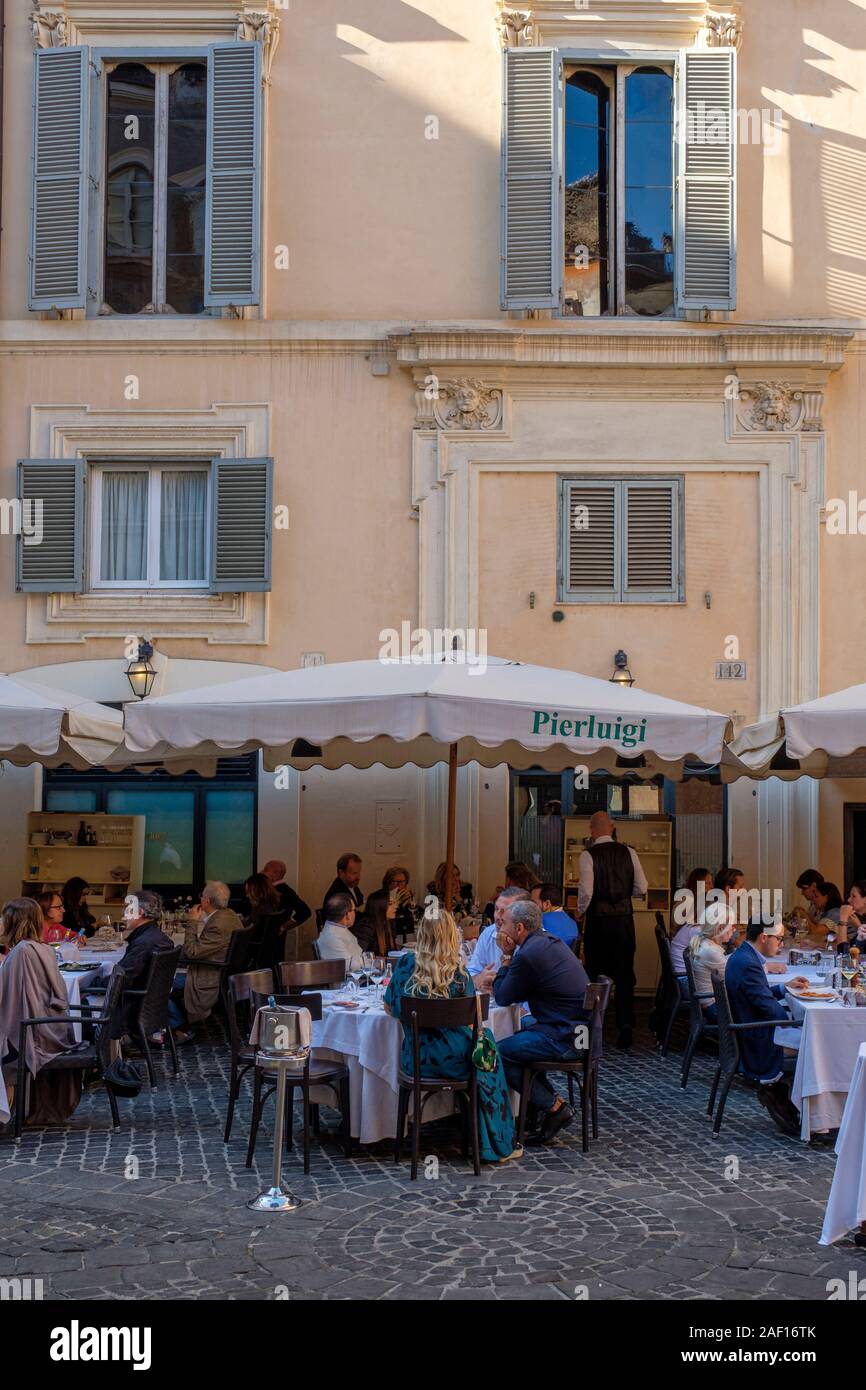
x=182, y=525
x=124, y=525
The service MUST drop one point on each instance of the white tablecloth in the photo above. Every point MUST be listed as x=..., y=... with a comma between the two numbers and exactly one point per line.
x=829, y=1041
x=369, y=1043
x=846, y=1205
x=76, y=981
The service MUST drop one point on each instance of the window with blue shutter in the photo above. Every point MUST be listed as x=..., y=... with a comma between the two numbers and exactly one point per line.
x=621, y=540
x=530, y=179
x=50, y=559
x=242, y=525
x=707, y=167
x=233, y=228
x=58, y=211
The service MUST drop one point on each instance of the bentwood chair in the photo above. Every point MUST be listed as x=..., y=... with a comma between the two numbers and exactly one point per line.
x=416, y=1014
x=92, y=1055
x=238, y=1014
x=152, y=1016
x=333, y=1075
x=584, y=1068
x=698, y=1026
x=671, y=1001
x=311, y=974
x=238, y=960
x=729, y=1047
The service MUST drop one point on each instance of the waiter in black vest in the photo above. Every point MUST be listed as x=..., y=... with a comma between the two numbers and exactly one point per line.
x=610, y=876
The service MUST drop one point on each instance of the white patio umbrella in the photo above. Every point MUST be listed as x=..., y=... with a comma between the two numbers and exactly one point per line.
x=48, y=726
x=833, y=726
x=412, y=712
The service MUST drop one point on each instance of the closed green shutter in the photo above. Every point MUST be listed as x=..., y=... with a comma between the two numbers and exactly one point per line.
x=531, y=271
x=58, y=197
x=51, y=493
x=706, y=120
x=234, y=174
x=242, y=525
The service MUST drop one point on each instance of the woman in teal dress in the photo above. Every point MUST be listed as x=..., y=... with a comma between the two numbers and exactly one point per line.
x=434, y=971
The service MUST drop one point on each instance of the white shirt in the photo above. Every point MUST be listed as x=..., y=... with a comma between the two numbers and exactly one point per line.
x=339, y=943
x=587, y=875
x=486, y=952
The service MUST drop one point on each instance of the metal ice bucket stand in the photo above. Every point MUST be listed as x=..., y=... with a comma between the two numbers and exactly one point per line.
x=281, y=1051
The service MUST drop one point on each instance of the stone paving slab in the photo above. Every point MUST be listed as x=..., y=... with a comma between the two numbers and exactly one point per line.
x=157, y=1210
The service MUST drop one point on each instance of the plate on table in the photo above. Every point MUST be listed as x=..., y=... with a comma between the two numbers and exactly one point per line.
x=826, y=994
x=71, y=969
x=343, y=1004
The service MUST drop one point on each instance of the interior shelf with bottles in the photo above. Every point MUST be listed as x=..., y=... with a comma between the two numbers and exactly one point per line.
x=106, y=851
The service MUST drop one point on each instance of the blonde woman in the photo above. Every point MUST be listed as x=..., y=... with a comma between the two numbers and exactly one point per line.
x=434, y=970
x=708, y=958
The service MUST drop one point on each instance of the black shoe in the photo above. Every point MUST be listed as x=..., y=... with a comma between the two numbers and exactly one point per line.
x=783, y=1112
x=821, y=1141
x=554, y=1121
x=624, y=1039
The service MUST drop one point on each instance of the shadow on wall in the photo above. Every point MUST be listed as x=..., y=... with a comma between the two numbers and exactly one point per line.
x=826, y=216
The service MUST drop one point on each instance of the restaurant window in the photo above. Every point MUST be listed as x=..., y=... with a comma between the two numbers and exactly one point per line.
x=155, y=188
x=196, y=828
x=621, y=540
x=149, y=526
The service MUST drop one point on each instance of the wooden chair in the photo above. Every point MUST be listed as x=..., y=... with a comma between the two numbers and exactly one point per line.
x=334, y=1075
x=152, y=1016
x=584, y=1068
x=311, y=974
x=238, y=959
x=242, y=1056
x=93, y=1055
x=416, y=1014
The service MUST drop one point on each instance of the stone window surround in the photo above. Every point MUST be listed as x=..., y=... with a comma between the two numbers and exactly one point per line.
x=77, y=431
x=56, y=23
x=613, y=24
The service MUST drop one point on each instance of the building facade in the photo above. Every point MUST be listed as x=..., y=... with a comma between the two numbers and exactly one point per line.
x=311, y=327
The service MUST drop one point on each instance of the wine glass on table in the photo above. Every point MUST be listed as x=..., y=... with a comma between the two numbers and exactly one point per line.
x=847, y=969
x=378, y=971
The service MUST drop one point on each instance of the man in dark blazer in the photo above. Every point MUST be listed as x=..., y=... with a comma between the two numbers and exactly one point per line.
x=752, y=999
x=347, y=881
x=145, y=937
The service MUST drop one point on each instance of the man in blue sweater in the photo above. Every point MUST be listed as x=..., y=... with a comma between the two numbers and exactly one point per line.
x=552, y=981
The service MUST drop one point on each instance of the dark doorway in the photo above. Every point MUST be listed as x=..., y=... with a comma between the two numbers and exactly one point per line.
x=854, y=824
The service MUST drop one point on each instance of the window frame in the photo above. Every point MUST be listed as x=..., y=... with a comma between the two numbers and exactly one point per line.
x=102, y=60
x=621, y=482
x=619, y=65
x=155, y=467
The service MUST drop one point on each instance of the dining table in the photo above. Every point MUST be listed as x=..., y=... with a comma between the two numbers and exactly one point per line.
x=367, y=1040
x=84, y=968
x=827, y=1039
x=846, y=1205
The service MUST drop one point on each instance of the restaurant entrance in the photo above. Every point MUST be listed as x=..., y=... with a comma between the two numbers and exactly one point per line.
x=196, y=828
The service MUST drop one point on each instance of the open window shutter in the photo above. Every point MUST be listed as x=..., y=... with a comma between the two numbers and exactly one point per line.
x=590, y=547
x=58, y=210
x=706, y=122
x=242, y=523
x=51, y=494
x=530, y=180
x=651, y=540
x=234, y=175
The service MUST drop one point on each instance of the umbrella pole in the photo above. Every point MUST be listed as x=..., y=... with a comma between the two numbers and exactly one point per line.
x=452, y=824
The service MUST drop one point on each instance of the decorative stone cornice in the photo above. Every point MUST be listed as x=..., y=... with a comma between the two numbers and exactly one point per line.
x=466, y=403
x=58, y=22
x=779, y=406
x=721, y=31
x=599, y=24
x=815, y=352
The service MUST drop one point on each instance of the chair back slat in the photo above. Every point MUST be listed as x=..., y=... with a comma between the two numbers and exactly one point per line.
x=729, y=1048
x=153, y=1014
x=305, y=974
x=417, y=1014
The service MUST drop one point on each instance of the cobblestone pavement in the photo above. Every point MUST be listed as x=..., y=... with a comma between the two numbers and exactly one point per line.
x=647, y=1214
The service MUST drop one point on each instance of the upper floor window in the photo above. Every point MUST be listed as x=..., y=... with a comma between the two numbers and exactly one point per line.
x=147, y=176
x=149, y=527
x=618, y=197
x=618, y=184
x=155, y=188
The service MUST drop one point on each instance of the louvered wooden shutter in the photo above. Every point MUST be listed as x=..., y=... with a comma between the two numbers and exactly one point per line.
x=58, y=196
x=651, y=540
x=530, y=180
x=55, y=565
x=234, y=159
x=591, y=551
x=706, y=123
x=241, y=549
